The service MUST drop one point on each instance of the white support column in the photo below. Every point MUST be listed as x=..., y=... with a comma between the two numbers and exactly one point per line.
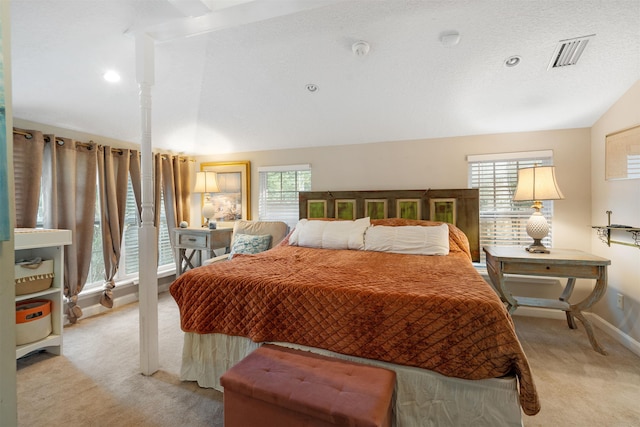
x=147, y=240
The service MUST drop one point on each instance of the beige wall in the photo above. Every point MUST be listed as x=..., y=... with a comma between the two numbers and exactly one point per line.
x=439, y=163
x=623, y=199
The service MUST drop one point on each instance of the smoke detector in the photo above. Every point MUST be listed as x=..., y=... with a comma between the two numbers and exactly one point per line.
x=360, y=48
x=568, y=51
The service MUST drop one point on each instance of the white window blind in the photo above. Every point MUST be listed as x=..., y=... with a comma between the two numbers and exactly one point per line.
x=278, y=192
x=633, y=166
x=130, y=254
x=503, y=221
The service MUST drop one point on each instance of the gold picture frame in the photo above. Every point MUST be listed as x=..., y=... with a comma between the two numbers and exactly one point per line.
x=233, y=202
x=409, y=208
x=316, y=208
x=443, y=210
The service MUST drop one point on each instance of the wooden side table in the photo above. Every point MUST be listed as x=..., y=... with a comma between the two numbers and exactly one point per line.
x=192, y=241
x=567, y=263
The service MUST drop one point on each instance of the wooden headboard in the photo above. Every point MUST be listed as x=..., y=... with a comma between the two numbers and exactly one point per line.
x=458, y=206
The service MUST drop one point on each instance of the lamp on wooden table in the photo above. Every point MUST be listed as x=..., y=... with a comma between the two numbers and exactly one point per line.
x=206, y=183
x=537, y=183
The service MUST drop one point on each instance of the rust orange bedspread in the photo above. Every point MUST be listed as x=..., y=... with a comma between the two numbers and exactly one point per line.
x=431, y=312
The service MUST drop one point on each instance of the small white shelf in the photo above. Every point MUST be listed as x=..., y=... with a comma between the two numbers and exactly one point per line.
x=41, y=294
x=47, y=244
x=52, y=343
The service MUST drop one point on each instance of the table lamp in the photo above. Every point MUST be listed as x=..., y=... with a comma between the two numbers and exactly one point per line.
x=537, y=183
x=206, y=183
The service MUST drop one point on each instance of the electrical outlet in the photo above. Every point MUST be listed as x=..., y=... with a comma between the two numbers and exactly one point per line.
x=621, y=301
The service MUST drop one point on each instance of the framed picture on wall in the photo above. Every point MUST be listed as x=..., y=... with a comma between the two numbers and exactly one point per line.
x=233, y=201
x=376, y=208
x=408, y=208
x=443, y=210
x=345, y=209
x=316, y=208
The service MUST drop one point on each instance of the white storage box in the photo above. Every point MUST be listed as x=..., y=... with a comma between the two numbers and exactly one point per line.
x=33, y=320
x=34, y=277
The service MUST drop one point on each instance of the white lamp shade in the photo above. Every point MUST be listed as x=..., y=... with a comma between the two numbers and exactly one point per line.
x=537, y=183
x=206, y=182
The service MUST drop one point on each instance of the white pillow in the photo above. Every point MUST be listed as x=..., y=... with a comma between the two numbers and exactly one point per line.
x=413, y=239
x=330, y=234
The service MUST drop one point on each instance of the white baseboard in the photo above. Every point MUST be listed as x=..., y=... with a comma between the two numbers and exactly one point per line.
x=615, y=333
x=95, y=309
x=625, y=340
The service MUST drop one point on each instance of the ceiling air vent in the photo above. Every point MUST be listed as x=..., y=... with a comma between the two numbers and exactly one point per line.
x=569, y=51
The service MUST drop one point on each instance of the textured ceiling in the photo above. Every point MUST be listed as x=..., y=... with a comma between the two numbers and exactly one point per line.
x=241, y=87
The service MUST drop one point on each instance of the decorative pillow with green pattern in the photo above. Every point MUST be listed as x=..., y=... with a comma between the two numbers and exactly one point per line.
x=249, y=244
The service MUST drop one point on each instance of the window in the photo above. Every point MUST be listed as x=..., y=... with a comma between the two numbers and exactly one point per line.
x=503, y=222
x=128, y=268
x=633, y=166
x=130, y=253
x=279, y=188
x=95, y=279
x=129, y=256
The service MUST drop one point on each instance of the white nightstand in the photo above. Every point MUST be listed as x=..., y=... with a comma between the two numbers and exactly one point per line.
x=568, y=263
x=191, y=241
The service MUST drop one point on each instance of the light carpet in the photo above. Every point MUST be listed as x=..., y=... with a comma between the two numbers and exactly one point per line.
x=97, y=381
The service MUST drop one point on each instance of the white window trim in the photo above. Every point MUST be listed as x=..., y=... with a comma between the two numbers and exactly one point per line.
x=521, y=155
x=285, y=168
x=286, y=210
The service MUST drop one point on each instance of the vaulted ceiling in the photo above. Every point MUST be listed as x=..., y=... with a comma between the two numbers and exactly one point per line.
x=232, y=75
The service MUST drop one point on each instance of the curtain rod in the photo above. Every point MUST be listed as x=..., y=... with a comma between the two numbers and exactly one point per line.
x=83, y=144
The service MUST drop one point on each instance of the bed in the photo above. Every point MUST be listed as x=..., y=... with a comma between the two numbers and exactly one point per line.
x=431, y=318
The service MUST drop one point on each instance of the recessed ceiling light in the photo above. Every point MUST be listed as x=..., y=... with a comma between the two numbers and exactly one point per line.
x=111, y=76
x=312, y=88
x=512, y=61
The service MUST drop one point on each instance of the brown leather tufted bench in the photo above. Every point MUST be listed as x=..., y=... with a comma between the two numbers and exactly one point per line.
x=277, y=386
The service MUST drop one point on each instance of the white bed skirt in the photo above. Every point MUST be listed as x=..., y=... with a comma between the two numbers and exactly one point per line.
x=422, y=398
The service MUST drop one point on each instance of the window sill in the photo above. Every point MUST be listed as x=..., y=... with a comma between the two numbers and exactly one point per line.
x=99, y=288
x=125, y=292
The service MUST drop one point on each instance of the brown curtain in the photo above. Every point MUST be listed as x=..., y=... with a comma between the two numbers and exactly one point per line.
x=69, y=201
x=113, y=171
x=136, y=182
x=176, y=187
x=28, y=152
x=171, y=175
